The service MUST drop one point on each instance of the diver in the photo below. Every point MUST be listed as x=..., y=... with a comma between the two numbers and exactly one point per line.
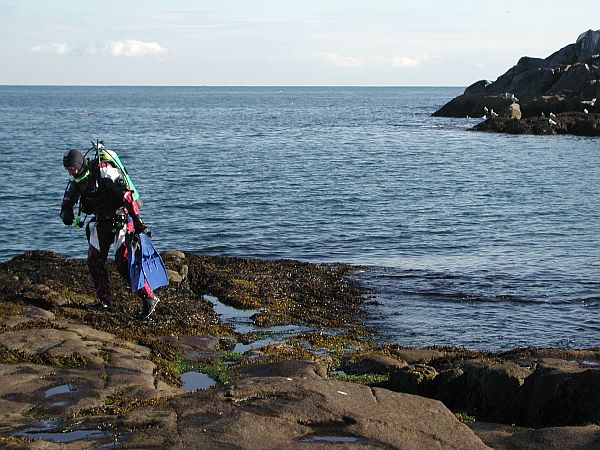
x=103, y=189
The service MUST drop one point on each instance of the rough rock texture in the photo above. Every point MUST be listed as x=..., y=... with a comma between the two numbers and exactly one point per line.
x=566, y=81
x=552, y=388
x=278, y=412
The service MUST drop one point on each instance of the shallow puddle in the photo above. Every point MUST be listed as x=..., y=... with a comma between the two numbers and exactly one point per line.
x=242, y=322
x=330, y=438
x=62, y=389
x=50, y=430
x=239, y=318
x=192, y=381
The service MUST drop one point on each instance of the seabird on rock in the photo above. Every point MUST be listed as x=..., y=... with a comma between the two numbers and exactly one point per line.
x=551, y=122
x=552, y=115
x=543, y=116
x=585, y=110
x=493, y=114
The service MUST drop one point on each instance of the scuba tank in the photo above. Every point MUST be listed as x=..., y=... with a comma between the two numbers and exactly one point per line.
x=110, y=156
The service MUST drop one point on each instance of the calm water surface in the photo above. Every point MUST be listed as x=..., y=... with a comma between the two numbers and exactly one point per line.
x=488, y=241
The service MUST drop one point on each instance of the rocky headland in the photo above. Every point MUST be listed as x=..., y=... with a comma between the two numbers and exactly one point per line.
x=554, y=95
x=73, y=376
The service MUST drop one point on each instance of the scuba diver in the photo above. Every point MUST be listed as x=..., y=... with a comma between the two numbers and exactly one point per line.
x=103, y=189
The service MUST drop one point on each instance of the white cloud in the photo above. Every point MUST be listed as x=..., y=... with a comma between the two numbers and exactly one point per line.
x=397, y=62
x=60, y=49
x=133, y=49
x=406, y=62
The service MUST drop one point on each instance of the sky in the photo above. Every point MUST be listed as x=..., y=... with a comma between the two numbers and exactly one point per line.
x=279, y=42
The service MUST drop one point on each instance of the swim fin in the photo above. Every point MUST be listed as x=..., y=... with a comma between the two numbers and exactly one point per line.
x=145, y=264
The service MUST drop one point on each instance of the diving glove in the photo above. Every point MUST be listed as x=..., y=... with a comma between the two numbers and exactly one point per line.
x=67, y=216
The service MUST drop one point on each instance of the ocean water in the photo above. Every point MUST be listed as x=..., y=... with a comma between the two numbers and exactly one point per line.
x=483, y=240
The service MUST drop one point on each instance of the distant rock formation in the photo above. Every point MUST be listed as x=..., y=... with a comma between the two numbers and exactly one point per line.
x=566, y=81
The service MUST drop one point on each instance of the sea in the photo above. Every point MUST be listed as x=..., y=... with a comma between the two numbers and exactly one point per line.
x=487, y=241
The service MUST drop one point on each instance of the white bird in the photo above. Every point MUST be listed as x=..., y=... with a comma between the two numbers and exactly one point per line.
x=493, y=114
x=591, y=102
x=551, y=122
x=585, y=110
x=553, y=116
x=485, y=108
x=543, y=115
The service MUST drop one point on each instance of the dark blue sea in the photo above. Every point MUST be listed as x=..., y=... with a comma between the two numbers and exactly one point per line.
x=483, y=240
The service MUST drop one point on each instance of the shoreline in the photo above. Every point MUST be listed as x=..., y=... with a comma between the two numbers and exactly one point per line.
x=51, y=339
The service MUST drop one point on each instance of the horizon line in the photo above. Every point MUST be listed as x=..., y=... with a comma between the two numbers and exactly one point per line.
x=236, y=85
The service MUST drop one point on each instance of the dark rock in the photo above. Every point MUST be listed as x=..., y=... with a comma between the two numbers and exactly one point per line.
x=526, y=389
x=413, y=379
x=566, y=81
x=580, y=124
x=479, y=87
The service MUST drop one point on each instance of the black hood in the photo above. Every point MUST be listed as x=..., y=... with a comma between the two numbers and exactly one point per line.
x=74, y=158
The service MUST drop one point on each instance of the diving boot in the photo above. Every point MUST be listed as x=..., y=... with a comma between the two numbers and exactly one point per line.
x=149, y=306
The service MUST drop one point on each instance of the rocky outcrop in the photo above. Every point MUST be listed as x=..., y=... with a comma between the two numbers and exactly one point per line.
x=566, y=81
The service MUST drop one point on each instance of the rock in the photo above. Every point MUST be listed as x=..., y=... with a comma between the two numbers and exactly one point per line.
x=580, y=124
x=275, y=412
x=174, y=277
x=288, y=368
x=37, y=313
x=479, y=87
x=514, y=111
x=417, y=355
x=172, y=254
x=529, y=391
x=556, y=84
x=377, y=364
x=488, y=388
x=413, y=379
x=512, y=437
x=193, y=347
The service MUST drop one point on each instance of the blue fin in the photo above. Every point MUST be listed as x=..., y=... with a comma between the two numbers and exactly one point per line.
x=146, y=264
x=135, y=265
